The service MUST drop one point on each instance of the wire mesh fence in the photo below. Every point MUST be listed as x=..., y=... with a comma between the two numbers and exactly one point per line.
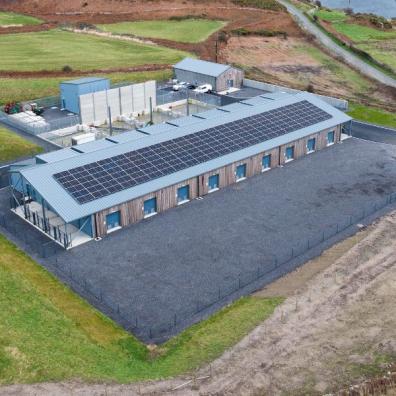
x=165, y=97
x=37, y=128
x=122, y=311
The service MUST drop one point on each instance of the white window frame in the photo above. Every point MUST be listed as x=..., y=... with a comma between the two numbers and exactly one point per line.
x=327, y=138
x=185, y=200
x=289, y=159
x=210, y=190
x=146, y=216
x=262, y=167
x=236, y=175
x=311, y=151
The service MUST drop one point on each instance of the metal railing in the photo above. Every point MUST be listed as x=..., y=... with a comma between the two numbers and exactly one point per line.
x=184, y=94
x=43, y=223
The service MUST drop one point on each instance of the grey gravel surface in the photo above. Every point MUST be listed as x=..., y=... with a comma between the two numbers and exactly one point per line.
x=177, y=261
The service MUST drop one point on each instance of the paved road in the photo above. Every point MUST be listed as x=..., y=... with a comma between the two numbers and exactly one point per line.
x=374, y=133
x=347, y=56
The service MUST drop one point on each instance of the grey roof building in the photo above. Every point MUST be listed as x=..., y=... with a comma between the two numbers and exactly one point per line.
x=81, y=187
x=198, y=72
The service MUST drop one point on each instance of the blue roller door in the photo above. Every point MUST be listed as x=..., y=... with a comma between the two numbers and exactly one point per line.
x=330, y=137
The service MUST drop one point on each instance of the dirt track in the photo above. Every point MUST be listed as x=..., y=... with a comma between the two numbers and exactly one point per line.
x=340, y=318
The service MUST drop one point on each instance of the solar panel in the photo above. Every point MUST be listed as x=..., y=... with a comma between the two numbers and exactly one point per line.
x=108, y=176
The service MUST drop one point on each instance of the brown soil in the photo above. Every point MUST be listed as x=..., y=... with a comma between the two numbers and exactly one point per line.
x=289, y=62
x=107, y=11
x=338, y=317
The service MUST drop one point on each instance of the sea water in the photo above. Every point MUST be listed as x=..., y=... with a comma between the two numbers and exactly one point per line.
x=385, y=8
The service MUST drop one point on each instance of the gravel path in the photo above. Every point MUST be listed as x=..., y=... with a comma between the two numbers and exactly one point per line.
x=347, y=56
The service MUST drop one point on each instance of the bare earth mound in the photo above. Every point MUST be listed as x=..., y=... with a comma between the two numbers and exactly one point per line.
x=329, y=333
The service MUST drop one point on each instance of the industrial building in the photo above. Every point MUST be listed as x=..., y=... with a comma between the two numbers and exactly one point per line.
x=70, y=91
x=76, y=194
x=199, y=72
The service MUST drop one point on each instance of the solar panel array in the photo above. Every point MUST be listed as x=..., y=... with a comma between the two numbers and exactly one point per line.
x=108, y=176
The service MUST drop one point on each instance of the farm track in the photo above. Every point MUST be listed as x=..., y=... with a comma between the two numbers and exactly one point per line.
x=28, y=28
x=56, y=73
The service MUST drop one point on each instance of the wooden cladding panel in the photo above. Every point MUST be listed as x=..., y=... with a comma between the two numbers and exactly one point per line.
x=132, y=211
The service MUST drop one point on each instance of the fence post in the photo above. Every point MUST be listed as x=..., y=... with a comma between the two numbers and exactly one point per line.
x=175, y=320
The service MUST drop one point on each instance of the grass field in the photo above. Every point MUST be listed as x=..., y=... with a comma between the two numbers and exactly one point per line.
x=21, y=89
x=185, y=31
x=12, y=19
x=13, y=146
x=373, y=115
x=47, y=333
x=380, y=44
x=51, y=50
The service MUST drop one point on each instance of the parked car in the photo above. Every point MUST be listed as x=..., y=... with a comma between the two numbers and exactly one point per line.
x=205, y=88
x=180, y=85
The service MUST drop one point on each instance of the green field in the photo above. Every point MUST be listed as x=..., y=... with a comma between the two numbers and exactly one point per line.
x=12, y=19
x=51, y=50
x=373, y=115
x=47, y=333
x=380, y=44
x=13, y=146
x=22, y=89
x=185, y=31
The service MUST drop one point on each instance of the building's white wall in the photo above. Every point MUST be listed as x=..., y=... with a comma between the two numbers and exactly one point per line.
x=122, y=101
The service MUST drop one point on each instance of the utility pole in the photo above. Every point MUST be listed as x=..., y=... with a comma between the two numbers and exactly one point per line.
x=110, y=122
x=188, y=101
x=216, y=46
x=151, y=111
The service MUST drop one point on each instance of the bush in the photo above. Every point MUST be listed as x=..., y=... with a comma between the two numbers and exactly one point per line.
x=67, y=69
x=186, y=17
x=264, y=4
x=260, y=32
x=222, y=36
x=310, y=88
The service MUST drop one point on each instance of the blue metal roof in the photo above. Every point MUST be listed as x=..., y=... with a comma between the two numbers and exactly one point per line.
x=202, y=67
x=57, y=155
x=93, y=146
x=84, y=80
x=126, y=137
x=41, y=176
x=157, y=128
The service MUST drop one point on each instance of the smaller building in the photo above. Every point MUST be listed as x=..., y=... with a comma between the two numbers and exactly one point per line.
x=70, y=91
x=199, y=72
